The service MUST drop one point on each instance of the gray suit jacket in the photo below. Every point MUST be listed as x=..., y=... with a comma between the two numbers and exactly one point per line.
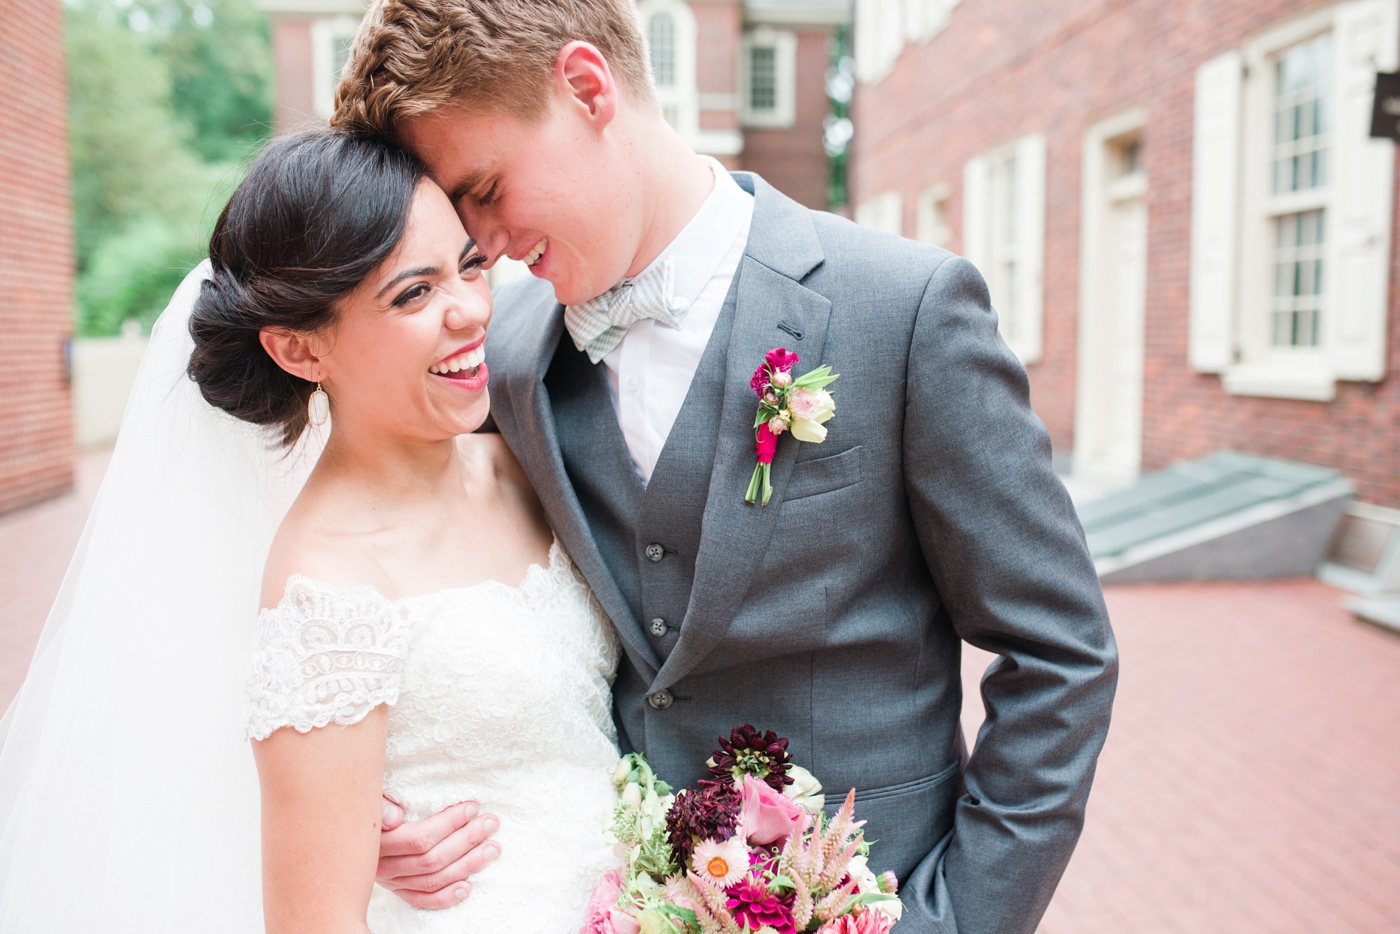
x=835, y=615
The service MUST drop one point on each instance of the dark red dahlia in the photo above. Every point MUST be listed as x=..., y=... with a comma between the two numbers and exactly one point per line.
x=709, y=811
x=759, y=382
x=753, y=905
x=780, y=358
x=747, y=752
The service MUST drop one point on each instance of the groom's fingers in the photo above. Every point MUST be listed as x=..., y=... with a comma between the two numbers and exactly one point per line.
x=443, y=888
x=440, y=856
x=427, y=863
x=416, y=838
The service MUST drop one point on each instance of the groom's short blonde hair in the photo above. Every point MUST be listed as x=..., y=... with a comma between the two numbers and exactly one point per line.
x=415, y=56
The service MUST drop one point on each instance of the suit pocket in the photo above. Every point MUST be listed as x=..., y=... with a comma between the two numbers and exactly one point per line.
x=908, y=819
x=824, y=475
x=905, y=788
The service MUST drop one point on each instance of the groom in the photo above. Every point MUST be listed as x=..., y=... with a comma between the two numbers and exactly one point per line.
x=835, y=614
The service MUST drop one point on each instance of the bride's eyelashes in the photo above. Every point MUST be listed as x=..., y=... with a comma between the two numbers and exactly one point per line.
x=412, y=295
x=469, y=268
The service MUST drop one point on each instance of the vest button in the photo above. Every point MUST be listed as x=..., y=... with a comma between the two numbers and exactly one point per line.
x=655, y=552
x=658, y=627
x=660, y=700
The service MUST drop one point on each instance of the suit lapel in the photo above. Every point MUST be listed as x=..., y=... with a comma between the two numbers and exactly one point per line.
x=771, y=304
x=536, y=436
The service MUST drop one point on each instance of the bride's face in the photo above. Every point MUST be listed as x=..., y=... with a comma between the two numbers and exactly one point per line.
x=405, y=354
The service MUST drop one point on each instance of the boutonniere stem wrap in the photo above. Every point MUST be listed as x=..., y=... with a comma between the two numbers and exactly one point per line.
x=798, y=405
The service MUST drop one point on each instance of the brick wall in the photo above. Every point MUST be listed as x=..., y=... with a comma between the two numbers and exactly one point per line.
x=36, y=256
x=294, y=106
x=1003, y=68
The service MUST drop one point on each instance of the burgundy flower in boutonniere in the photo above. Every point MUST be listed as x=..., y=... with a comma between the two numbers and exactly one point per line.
x=799, y=404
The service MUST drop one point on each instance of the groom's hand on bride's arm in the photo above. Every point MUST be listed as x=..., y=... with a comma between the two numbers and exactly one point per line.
x=429, y=863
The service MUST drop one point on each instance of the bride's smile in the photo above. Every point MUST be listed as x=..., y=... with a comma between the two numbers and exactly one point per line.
x=405, y=355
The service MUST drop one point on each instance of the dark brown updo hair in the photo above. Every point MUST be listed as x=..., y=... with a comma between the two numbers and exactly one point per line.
x=318, y=212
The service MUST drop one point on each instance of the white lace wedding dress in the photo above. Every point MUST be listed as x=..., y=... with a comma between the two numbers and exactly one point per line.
x=498, y=694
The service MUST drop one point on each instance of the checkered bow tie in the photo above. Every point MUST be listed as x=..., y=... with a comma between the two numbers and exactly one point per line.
x=599, y=324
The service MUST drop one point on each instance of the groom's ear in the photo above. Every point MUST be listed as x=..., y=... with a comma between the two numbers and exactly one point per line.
x=582, y=73
x=293, y=351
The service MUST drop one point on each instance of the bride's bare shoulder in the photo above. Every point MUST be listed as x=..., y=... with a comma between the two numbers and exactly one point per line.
x=308, y=545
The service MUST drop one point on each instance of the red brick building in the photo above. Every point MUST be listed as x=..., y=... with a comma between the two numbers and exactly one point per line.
x=1187, y=233
x=742, y=80
x=36, y=256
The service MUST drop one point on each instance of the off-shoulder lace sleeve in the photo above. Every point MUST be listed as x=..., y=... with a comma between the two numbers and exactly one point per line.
x=324, y=655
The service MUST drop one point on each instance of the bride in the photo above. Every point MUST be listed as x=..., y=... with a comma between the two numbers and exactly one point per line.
x=421, y=635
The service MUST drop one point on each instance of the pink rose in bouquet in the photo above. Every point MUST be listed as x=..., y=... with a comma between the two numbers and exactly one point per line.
x=866, y=921
x=604, y=915
x=768, y=816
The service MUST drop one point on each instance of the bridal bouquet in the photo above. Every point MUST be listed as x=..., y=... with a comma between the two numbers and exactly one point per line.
x=746, y=851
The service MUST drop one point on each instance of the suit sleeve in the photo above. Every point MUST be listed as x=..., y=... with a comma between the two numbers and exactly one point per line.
x=1007, y=555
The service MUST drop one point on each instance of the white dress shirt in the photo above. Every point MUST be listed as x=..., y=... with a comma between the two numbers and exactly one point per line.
x=649, y=373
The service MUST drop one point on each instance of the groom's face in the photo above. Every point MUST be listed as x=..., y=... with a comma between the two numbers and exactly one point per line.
x=545, y=193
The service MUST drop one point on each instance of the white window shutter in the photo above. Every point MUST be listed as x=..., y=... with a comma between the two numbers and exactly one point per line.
x=866, y=23
x=1362, y=171
x=1215, y=167
x=882, y=212
x=976, y=226
x=1030, y=246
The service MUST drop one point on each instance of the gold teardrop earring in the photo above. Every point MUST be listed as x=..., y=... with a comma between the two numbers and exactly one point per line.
x=318, y=407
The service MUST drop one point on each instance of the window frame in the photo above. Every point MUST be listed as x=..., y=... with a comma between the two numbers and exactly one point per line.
x=682, y=96
x=326, y=32
x=1262, y=365
x=1232, y=235
x=783, y=113
x=1012, y=267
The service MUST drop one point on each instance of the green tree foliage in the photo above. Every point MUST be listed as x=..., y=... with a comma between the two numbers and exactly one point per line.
x=219, y=55
x=165, y=101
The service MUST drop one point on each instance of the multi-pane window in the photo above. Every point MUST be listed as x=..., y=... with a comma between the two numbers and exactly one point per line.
x=661, y=39
x=768, y=77
x=763, y=78
x=670, y=32
x=1004, y=235
x=1291, y=205
x=1298, y=192
x=1299, y=246
x=1001, y=273
x=1300, y=116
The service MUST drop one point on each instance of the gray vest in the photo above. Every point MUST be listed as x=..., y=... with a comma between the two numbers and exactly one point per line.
x=649, y=534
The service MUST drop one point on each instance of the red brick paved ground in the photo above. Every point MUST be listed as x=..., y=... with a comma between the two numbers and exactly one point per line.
x=1251, y=781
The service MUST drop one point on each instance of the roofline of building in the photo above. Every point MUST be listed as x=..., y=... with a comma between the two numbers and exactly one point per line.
x=808, y=17
x=312, y=7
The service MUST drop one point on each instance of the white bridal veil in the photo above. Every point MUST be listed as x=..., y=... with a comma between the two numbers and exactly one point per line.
x=128, y=795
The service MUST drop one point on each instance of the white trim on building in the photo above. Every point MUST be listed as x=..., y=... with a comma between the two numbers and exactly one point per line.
x=882, y=27
x=882, y=212
x=1004, y=236
x=768, y=78
x=331, y=38
x=1291, y=226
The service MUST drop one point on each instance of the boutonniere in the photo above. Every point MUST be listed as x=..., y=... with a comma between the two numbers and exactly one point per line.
x=799, y=405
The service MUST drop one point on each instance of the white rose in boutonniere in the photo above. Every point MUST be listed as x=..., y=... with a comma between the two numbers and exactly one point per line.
x=810, y=409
